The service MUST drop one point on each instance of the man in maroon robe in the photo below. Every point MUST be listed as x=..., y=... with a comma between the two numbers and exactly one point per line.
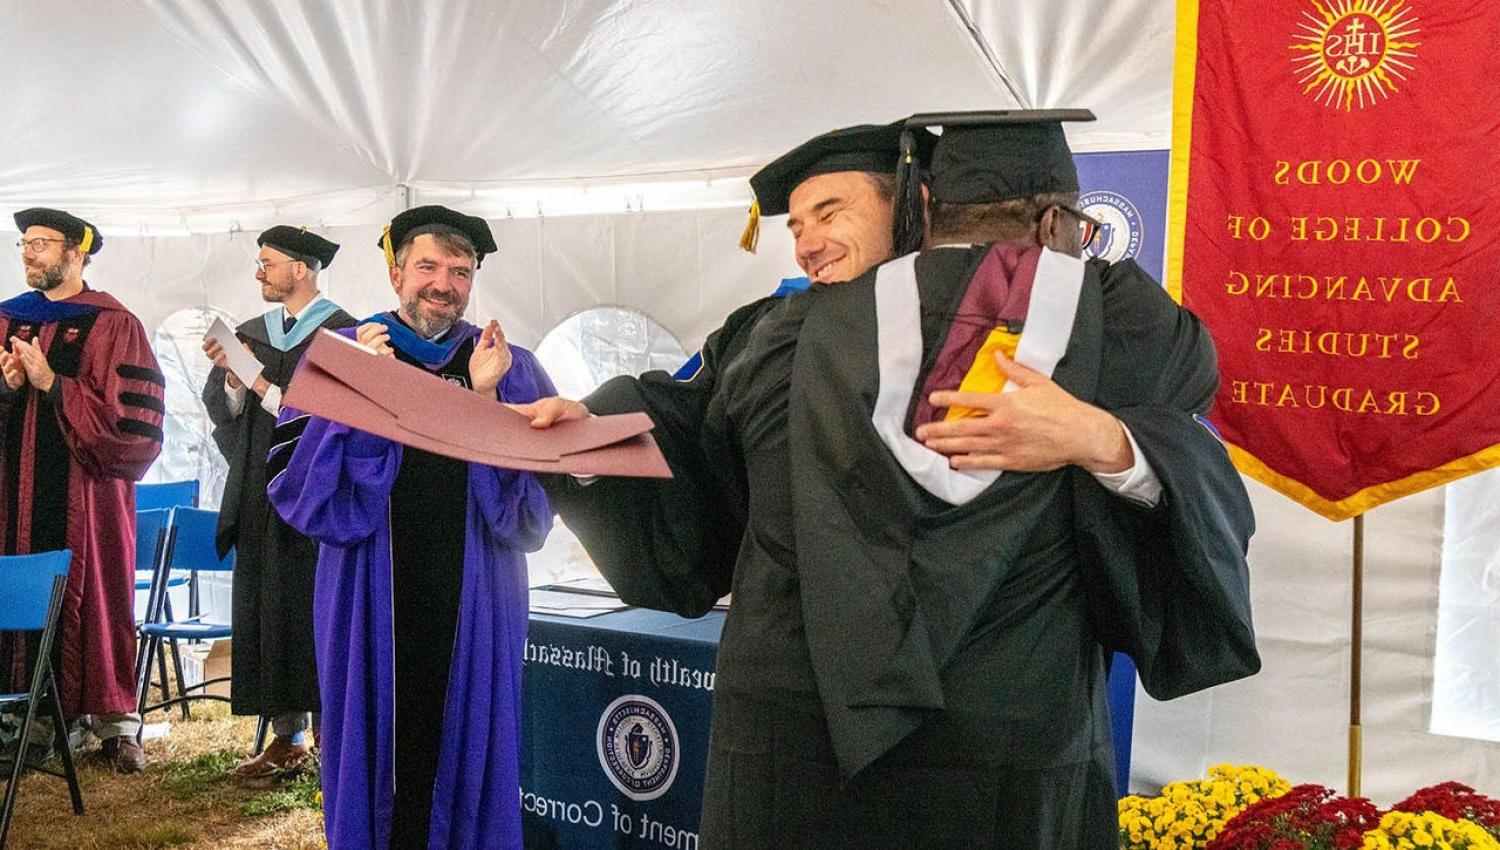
x=80, y=421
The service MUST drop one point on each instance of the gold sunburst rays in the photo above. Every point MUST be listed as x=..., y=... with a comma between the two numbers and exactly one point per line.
x=1351, y=54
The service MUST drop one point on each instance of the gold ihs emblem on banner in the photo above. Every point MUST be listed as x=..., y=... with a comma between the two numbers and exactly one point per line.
x=1353, y=53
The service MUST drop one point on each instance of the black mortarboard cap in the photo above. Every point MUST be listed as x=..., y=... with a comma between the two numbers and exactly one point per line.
x=432, y=219
x=69, y=225
x=985, y=157
x=864, y=147
x=299, y=244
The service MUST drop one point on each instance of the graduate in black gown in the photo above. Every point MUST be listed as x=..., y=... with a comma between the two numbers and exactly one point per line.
x=916, y=654
x=274, y=675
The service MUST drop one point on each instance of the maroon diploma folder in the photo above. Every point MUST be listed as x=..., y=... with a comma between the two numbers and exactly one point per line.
x=342, y=380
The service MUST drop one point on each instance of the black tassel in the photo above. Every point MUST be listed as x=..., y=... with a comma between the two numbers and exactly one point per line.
x=910, y=217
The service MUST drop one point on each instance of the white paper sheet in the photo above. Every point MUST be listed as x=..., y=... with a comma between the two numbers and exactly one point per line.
x=552, y=601
x=241, y=362
x=595, y=585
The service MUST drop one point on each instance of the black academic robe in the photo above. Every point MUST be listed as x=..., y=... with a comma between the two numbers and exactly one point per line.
x=652, y=550
x=896, y=671
x=272, y=665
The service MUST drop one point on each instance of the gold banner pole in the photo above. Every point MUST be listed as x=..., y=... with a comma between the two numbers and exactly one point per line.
x=1356, y=638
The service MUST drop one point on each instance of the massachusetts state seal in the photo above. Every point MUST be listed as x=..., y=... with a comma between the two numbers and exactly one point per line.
x=1120, y=238
x=638, y=748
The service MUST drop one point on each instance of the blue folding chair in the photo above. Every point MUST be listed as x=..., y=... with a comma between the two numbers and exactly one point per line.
x=150, y=542
x=168, y=494
x=189, y=546
x=31, y=602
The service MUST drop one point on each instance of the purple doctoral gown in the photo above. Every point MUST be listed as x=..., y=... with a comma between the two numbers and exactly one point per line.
x=336, y=488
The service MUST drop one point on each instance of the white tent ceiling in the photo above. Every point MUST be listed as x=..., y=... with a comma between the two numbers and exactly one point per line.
x=198, y=115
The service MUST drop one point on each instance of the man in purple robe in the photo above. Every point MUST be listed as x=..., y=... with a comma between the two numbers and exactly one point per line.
x=420, y=607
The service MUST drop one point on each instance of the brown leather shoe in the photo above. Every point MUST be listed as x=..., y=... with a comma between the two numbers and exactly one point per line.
x=281, y=755
x=125, y=754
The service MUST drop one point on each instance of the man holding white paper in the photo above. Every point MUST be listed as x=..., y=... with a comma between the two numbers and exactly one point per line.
x=273, y=671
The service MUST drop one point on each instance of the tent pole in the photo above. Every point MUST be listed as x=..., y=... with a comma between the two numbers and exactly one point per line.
x=989, y=55
x=1356, y=637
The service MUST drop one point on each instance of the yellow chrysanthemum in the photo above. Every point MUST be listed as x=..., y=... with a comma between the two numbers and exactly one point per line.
x=1427, y=831
x=1189, y=814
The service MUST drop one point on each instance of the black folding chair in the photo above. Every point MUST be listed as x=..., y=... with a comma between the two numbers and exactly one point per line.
x=31, y=602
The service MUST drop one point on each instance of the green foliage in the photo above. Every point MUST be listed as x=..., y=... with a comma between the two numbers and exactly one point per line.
x=296, y=792
x=189, y=779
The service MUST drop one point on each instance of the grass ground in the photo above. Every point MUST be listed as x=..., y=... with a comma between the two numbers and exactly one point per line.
x=185, y=800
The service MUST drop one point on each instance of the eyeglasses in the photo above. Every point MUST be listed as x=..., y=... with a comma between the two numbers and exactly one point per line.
x=37, y=244
x=262, y=265
x=1088, y=226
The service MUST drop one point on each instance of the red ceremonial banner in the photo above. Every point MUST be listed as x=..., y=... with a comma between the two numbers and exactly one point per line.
x=1334, y=220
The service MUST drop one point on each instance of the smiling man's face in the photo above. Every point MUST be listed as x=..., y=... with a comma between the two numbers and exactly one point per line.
x=433, y=284
x=842, y=224
x=46, y=269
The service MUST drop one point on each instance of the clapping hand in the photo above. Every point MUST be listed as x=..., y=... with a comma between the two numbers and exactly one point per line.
x=15, y=373
x=490, y=360
x=33, y=362
x=373, y=335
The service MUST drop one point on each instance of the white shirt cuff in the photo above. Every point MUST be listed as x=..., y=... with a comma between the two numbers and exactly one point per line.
x=1139, y=483
x=235, y=398
x=272, y=404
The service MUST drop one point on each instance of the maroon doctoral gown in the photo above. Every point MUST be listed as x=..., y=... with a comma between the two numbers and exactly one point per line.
x=68, y=462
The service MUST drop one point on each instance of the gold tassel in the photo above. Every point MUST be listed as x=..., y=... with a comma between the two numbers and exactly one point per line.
x=87, y=241
x=751, y=236
x=390, y=253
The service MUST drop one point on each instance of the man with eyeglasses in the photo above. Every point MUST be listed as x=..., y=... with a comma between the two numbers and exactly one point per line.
x=274, y=676
x=80, y=421
x=1012, y=185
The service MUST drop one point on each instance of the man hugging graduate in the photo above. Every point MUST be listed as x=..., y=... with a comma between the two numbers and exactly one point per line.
x=948, y=488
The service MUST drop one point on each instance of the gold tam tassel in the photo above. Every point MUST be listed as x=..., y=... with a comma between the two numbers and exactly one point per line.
x=751, y=236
